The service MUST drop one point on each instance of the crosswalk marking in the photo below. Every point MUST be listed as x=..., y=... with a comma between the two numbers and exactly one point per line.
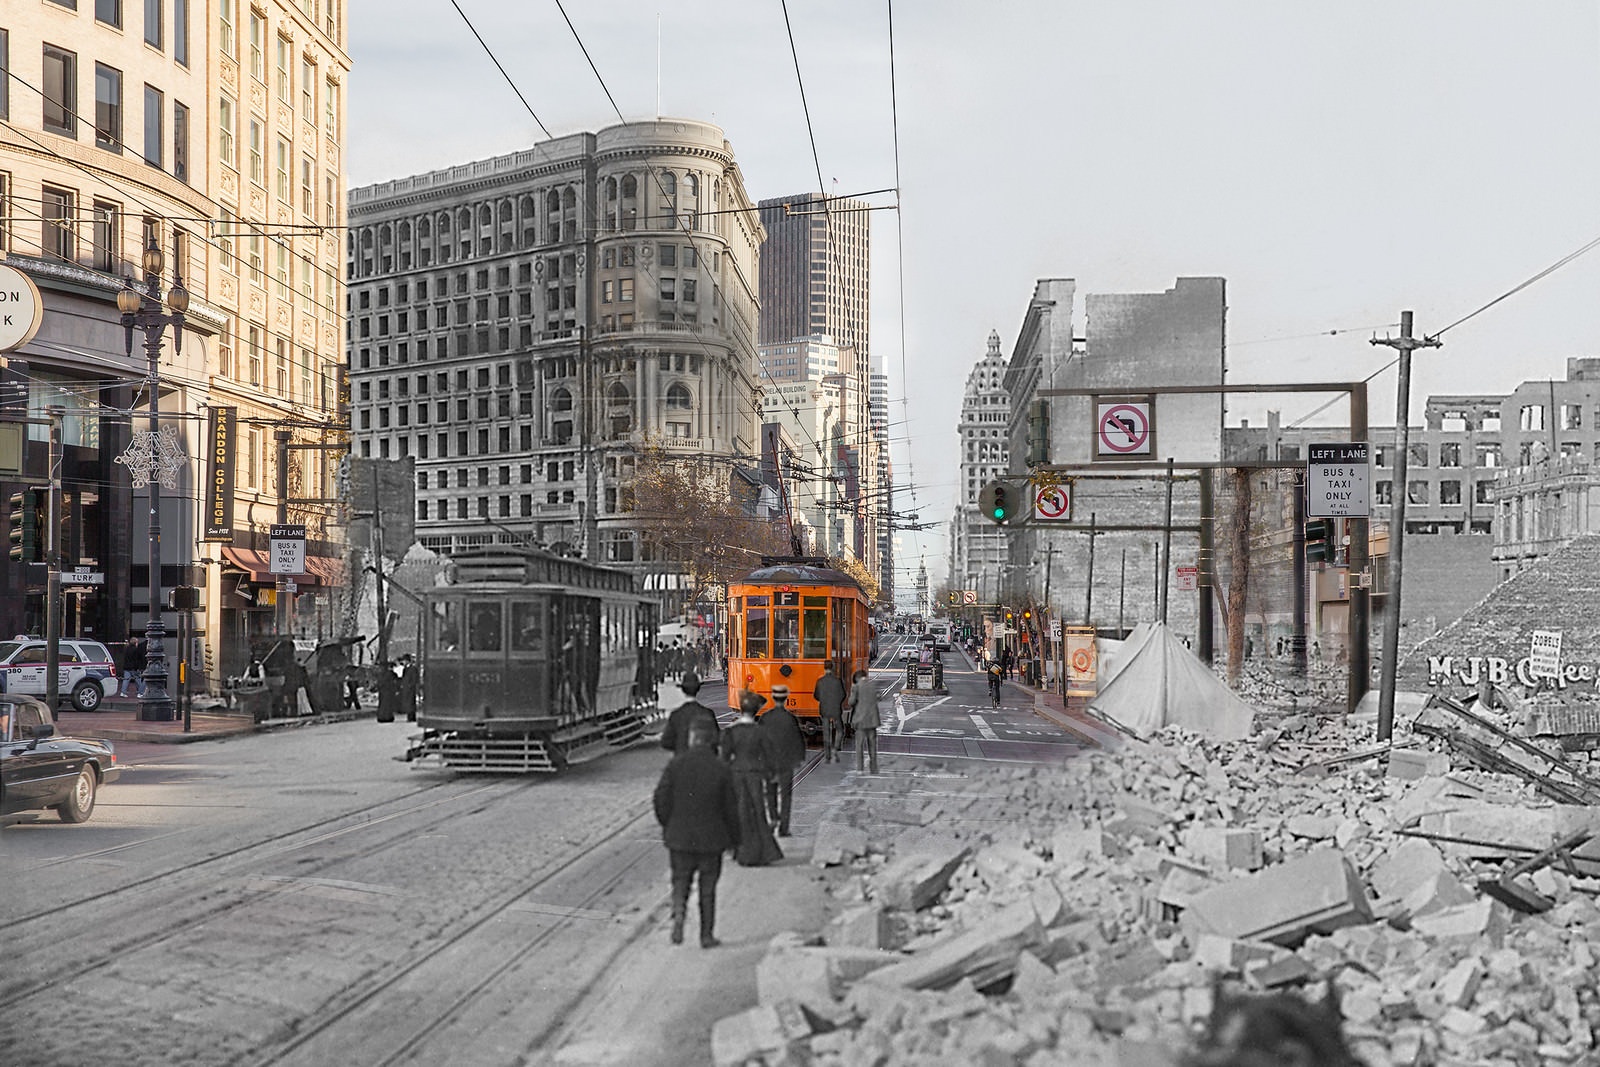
x=983, y=728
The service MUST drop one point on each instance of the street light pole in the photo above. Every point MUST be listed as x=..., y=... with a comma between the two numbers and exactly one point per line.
x=142, y=311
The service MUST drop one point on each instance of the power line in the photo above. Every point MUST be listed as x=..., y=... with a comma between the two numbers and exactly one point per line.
x=1514, y=290
x=490, y=52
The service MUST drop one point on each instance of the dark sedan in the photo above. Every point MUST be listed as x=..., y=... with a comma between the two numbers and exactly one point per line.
x=41, y=770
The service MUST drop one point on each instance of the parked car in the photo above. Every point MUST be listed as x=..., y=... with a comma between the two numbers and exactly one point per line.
x=40, y=770
x=87, y=674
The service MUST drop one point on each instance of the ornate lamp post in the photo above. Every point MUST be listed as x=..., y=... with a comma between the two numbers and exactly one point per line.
x=153, y=457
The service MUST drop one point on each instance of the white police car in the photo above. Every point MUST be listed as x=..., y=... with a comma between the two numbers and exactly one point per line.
x=87, y=674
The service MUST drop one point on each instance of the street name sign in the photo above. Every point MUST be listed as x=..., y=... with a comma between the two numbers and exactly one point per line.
x=288, y=551
x=1339, y=480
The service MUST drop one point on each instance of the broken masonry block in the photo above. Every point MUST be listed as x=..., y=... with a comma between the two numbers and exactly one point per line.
x=1466, y=922
x=914, y=881
x=864, y=926
x=1225, y=848
x=1410, y=764
x=982, y=955
x=764, y=1030
x=1407, y=867
x=1315, y=893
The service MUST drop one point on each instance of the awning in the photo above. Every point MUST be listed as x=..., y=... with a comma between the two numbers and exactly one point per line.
x=320, y=570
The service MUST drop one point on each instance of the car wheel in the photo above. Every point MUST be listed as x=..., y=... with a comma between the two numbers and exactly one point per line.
x=80, y=802
x=86, y=695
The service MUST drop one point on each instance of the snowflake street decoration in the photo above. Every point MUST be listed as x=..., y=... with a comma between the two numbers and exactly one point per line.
x=153, y=455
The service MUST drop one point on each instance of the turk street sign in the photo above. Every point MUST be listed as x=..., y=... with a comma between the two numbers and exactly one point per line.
x=1339, y=480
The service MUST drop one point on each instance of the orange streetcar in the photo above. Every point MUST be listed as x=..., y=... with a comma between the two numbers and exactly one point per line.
x=785, y=621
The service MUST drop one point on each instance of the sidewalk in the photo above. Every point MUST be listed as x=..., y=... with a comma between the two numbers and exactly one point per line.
x=118, y=720
x=1071, y=715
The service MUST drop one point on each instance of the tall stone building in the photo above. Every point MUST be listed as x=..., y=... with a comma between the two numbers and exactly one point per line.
x=523, y=326
x=978, y=551
x=214, y=131
x=815, y=281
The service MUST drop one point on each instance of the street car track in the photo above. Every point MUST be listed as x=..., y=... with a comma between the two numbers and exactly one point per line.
x=205, y=908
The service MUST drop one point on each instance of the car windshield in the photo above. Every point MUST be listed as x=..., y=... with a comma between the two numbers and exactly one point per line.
x=7, y=648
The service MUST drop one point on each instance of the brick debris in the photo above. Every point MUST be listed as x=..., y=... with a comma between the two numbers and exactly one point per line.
x=1084, y=913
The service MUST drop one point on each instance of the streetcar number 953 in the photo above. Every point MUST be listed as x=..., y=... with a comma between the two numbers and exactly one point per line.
x=483, y=678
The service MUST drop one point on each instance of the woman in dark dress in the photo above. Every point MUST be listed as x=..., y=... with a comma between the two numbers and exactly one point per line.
x=744, y=744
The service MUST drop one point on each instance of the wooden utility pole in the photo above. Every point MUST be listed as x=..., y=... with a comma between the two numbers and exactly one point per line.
x=1405, y=344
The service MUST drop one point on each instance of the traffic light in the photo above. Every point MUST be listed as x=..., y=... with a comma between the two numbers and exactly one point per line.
x=1000, y=501
x=1318, y=533
x=1027, y=616
x=1038, y=433
x=25, y=526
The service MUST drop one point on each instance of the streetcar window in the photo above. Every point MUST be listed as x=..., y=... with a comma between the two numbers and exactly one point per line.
x=758, y=601
x=483, y=629
x=755, y=635
x=527, y=626
x=786, y=633
x=816, y=601
x=446, y=626
x=814, y=638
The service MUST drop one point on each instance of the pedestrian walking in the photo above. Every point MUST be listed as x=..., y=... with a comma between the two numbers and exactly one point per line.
x=745, y=747
x=134, y=659
x=829, y=692
x=1005, y=663
x=410, y=679
x=788, y=747
x=865, y=717
x=688, y=716
x=698, y=811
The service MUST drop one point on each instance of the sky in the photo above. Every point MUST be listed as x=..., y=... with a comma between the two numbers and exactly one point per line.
x=1336, y=163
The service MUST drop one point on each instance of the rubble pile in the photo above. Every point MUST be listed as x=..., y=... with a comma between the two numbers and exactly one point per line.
x=1085, y=913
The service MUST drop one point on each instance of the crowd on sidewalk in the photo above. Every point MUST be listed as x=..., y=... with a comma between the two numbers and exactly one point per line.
x=732, y=790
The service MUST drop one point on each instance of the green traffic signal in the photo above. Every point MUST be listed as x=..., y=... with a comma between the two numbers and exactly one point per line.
x=1000, y=501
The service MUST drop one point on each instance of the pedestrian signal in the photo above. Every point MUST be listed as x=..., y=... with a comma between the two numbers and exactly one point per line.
x=1000, y=501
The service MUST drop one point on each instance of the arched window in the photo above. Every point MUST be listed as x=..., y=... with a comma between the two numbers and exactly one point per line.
x=405, y=232
x=485, y=217
x=611, y=188
x=630, y=185
x=464, y=220
x=552, y=202
x=424, y=231
x=385, y=235
x=691, y=185
x=569, y=198
x=618, y=395
x=505, y=213
x=444, y=226
x=561, y=400
x=669, y=184
x=679, y=397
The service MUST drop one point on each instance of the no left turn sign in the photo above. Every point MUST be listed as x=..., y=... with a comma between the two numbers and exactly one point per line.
x=1052, y=502
x=1123, y=428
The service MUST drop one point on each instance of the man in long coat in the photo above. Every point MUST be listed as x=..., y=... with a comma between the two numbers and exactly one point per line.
x=699, y=817
x=788, y=747
x=689, y=715
x=829, y=692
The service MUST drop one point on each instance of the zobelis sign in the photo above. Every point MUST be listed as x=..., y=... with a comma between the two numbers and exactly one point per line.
x=21, y=308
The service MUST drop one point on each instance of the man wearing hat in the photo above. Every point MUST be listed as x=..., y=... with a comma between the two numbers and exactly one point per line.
x=699, y=816
x=691, y=714
x=788, y=747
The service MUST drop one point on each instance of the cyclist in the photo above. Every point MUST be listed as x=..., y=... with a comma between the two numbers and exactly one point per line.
x=994, y=682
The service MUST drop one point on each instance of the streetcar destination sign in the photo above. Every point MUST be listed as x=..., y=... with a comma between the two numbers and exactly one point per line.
x=1339, y=480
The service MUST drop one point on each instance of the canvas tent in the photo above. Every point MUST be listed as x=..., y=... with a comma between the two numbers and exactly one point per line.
x=1162, y=683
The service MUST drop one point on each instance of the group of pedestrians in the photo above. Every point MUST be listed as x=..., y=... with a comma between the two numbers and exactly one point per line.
x=733, y=789
x=678, y=659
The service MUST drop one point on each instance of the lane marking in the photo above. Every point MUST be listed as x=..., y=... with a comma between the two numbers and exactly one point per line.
x=983, y=728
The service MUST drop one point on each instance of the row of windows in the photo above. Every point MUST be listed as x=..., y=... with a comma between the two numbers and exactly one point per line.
x=557, y=471
x=284, y=59
x=1420, y=492
x=508, y=225
x=60, y=99
x=110, y=13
